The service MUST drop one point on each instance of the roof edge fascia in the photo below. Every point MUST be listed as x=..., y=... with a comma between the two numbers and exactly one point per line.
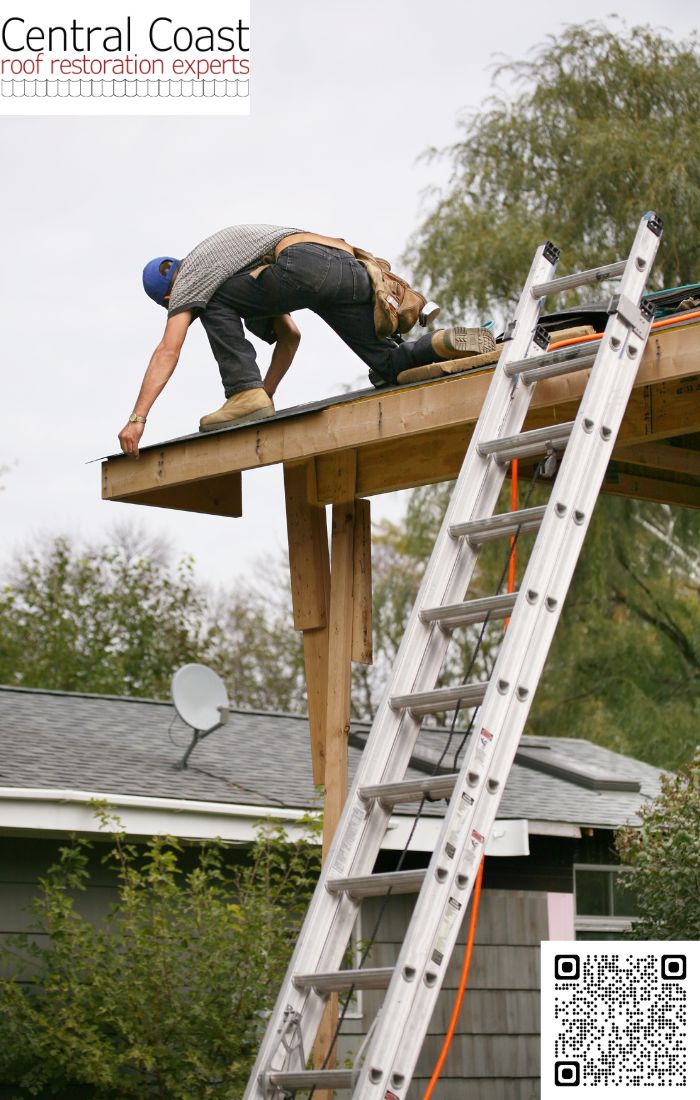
x=40, y=811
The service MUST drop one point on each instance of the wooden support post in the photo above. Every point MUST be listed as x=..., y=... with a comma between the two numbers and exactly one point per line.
x=362, y=585
x=339, y=667
x=344, y=543
x=310, y=579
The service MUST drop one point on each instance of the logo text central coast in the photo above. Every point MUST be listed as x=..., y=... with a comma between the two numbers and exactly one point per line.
x=86, y=58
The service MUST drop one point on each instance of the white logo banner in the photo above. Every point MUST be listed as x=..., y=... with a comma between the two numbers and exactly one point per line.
x=158, y=57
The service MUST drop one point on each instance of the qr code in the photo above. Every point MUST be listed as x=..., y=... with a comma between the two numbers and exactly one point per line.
x=620, y=1019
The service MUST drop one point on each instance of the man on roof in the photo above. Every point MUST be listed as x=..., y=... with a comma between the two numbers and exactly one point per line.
x=261, y=274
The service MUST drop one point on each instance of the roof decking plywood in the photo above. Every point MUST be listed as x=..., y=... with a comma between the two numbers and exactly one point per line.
x=417, y=434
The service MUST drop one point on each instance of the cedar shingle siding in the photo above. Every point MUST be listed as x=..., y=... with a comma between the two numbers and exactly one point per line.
x=495, y=1053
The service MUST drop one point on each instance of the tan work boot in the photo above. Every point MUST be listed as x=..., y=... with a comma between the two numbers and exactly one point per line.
x=242, y=408
x=459, y=342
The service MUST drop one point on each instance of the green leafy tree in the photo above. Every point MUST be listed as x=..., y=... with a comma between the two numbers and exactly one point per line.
x=255, y=649
x=168, y=997
x=577, y=140
x=624, y=670
x=117, y=618
x=596, y=126
x=106, y=618
x=665, y=856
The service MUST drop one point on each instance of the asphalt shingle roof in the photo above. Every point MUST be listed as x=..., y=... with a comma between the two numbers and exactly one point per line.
x=107, y=744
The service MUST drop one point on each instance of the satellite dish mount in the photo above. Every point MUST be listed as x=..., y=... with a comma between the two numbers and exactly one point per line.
x=201, y=701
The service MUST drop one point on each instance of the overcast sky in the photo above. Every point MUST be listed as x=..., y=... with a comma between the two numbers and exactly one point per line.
x=345, y=99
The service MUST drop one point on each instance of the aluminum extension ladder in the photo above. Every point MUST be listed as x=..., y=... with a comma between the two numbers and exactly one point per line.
x=412, y=986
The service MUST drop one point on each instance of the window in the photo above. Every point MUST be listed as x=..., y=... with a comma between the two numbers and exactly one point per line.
x=605, y=901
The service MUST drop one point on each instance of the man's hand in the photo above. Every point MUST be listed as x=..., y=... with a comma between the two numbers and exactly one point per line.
x=288, y=338
x=162, y=364
x=129, y=438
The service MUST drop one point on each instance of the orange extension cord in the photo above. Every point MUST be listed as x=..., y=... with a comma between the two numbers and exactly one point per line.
x=449, y=1035
x=662, y=323
x=462, y=985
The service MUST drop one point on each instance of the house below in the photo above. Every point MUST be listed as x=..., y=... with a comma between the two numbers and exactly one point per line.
x=551, y=871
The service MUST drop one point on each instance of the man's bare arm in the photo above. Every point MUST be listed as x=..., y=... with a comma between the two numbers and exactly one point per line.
x=159, y=370
x=288, y=338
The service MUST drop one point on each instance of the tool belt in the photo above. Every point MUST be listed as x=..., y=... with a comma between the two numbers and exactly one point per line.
x=312, y=238
x=397, y=305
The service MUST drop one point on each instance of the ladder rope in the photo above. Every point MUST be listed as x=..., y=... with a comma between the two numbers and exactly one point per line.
x=513, y=508
x=369, y=944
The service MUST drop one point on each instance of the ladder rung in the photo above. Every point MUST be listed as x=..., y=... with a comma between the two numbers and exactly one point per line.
x=579, y=278
x=336, y=980
x=527, y=443
x=554, y=364
x=569, y=357
x=499, y=526
x=472, y=611
x=433, y=702
x=311, y=1078
x=555, y=370
x=367, y=886
x=410, y=790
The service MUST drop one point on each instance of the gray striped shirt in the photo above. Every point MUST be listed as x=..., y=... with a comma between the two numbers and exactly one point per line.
x=216, y=259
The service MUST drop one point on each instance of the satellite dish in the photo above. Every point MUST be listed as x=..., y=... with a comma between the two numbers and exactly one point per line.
x=201, y=700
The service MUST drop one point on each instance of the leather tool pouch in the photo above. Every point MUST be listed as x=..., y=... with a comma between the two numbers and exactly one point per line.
x=396, y=304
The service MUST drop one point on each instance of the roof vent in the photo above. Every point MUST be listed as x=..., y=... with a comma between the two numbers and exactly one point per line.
x=557, y=765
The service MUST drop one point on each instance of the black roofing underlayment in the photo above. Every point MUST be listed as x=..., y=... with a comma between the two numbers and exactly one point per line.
x=594, y=313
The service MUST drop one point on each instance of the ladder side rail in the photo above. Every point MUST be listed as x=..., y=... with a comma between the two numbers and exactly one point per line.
x=411, y=1014
x=554, y=556
x=532, y=626
x=391, y=740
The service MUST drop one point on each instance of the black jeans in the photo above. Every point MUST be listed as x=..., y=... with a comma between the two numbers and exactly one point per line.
x=306, y=276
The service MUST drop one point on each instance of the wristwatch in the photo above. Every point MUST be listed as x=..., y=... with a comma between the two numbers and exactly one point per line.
x=134, y=418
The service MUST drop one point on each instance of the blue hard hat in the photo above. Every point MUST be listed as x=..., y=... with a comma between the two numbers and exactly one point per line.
x=155, y=284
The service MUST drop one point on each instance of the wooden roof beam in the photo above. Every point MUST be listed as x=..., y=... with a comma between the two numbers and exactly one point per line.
x=403, y=437
x=214, y=496
x=661, y=456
